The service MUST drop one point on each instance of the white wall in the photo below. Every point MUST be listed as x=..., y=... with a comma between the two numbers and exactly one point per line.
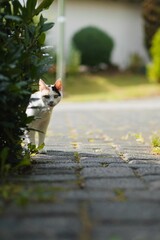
x=121, y=21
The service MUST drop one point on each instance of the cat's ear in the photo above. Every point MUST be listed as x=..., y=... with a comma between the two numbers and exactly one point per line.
x=58, y=84
x=42, y=85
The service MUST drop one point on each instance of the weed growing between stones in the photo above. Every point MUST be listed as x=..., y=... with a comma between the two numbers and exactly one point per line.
x=22, y=195
x=80, y=180
x=155, y=143
x=120, y=195
x=138, y=137
x=76, y=157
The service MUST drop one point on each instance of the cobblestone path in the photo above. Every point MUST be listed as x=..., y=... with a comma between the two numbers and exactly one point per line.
x=99, y=180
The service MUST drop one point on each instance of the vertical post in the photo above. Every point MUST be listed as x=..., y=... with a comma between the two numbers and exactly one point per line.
x=60, y=40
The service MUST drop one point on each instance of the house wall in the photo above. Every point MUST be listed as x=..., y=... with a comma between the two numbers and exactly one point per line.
x=122, y=21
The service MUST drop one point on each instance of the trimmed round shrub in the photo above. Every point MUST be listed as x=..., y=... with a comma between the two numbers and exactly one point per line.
x=94, y=45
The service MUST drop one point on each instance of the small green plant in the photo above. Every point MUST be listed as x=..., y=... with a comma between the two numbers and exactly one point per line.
x=120, y=195
x=33, y=149
x=94, y=45
x=77, y=157
x=155, y=143
x=136, y=64
x=153, y=69
x=138, y=137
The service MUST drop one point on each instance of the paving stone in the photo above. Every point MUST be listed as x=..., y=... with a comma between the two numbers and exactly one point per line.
x=148, y=157
x=52, y=159
x=92, y=164
x=154, y=184
x=140, y=165
x=142, y=161
x=82, y=195
x=121, y=232
x=42, y=209
x=143, y=195
x=107, y=172
x=102, y=159
x=40, y=228
x=114, y=183
x=152, y=178
x=149, y=170
x=52, y=171
x=56, y=165
x=47, y=178
x=134, y=212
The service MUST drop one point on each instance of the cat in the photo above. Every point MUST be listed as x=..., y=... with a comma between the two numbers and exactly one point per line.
x=40, y=108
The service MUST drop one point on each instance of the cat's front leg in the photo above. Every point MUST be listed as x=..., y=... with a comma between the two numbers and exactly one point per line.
x=41, y=142
x=41, y=138
x=30, y=137
x=42, y=133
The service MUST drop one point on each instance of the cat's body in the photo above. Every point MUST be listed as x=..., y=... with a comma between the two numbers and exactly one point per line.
x=40, y=107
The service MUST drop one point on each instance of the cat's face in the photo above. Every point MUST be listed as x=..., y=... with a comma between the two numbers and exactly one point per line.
x=51, y=94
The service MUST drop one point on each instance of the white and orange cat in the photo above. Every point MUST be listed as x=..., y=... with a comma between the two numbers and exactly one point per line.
x=40, y=107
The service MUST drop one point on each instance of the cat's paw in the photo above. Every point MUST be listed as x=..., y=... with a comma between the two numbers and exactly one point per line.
x=43, y=151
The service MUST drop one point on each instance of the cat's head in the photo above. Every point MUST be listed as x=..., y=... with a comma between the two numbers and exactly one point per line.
x=51, y=94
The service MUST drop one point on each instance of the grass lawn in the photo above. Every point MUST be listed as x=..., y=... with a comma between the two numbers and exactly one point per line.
x=111, y=87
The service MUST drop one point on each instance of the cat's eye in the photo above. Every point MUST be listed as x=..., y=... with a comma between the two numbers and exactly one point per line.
x=46, y=96
x=56, y=96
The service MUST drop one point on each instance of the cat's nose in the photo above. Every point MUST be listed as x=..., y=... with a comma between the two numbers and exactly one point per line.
x=51, y=103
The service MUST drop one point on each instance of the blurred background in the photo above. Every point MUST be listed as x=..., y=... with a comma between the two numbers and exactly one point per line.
x=111, y=48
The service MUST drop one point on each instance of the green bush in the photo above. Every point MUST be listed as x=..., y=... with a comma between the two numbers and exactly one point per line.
x=153, y=69
x=136, y=64
x=94, y=45
x=22, y=63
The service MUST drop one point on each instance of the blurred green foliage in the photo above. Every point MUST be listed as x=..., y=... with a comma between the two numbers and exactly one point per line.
x=153, y=69
x=151, y=15
x=22, y=63
x=94, y=45
x=136, y=63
